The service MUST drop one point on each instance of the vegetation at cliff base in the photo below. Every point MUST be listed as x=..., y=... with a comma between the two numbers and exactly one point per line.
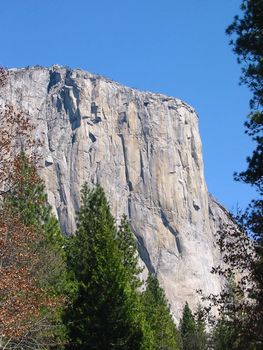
x=86, y=291
x=103, y=313
x=158, y=315
x=81, y=292
x=33, y=265
x=114, y=314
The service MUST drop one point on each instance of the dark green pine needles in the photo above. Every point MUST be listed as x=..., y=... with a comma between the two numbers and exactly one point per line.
x=157, y=310
x=105, y=313
x=192, y=329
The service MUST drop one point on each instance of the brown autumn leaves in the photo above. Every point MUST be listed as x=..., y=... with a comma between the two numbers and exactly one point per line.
x=24, y=304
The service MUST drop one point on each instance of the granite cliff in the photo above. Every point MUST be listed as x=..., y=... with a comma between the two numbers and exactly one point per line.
x=145, y=150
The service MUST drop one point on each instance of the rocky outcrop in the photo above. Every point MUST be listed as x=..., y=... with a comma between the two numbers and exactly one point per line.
x=145, y=150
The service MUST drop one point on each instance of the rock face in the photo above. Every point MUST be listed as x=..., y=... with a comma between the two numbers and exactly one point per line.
x=145, y=150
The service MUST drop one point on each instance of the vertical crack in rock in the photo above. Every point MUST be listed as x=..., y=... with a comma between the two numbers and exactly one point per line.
x=70, y=97
x=144, y=255
x=129, y=183
x=172, y=230
x=141, y=167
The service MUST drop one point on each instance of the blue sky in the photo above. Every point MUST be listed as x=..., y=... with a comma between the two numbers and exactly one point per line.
x=176, y=47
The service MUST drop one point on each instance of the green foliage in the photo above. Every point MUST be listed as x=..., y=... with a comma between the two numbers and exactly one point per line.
x=188, y=328
x=187, y=324
x=202, y=337
x=247, y=41
x=223, y=336
x=228, y=329
x=105, y=313
x=159, y=317
x=247, y=38
x=27, y=196
x=193, y=331
x=27, y=200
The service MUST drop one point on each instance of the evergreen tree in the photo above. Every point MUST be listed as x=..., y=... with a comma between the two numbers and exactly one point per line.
x=159, y=317
x=202, y=336
x=193, y=331
x=105, y=313
x=188, y=328
x=224, y=336
x=247, y=42
x=230, y=328
x=27, y=200
x=27, y=196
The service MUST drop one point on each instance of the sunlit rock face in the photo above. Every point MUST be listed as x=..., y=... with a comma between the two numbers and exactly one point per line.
x=145, y=150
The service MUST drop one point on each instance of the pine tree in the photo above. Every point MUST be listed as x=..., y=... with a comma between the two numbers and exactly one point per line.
x=247, y=42
x=130, y=260
x=27, y=195
x=193, y=330
x=188, y=328
x=229, y=332
x=105, y=313
x=159, y=317
x=200, y=319
x=224, y=336
x=27, y=201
